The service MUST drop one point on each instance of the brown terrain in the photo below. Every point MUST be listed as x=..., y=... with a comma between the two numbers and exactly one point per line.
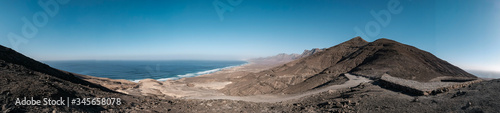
x=204, y=85
x=356, y=56
x=24, y=77
x=354, y=76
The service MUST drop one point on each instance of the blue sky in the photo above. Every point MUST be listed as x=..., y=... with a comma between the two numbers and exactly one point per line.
x=462, y=32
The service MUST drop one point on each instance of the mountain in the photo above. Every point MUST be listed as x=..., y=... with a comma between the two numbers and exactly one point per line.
x=21, y=76
x=403, y=61
x=356, y=56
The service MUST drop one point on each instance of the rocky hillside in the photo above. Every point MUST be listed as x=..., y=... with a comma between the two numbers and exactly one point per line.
x=357, y=56
x=403, y=61
x=21, y=77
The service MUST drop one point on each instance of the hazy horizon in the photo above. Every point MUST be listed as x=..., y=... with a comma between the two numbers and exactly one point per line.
x=464, y=33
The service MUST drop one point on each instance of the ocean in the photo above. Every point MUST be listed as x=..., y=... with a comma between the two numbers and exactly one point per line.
x=138, y=70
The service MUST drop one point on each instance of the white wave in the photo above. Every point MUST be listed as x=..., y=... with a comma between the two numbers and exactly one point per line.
x=165, y=79
x=136, y=81
x=192, y=74
x=161, y=79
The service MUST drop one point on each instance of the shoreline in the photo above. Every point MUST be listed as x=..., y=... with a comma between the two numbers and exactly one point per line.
x=194, y=74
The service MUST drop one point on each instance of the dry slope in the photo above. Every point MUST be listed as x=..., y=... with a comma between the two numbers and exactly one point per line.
x=21, y=77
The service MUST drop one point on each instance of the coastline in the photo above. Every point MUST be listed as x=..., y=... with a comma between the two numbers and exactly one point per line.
x=195, y=74
x=206, y=84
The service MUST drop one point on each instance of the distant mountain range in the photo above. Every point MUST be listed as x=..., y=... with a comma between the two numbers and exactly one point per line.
x=485, y=74
x=283, y=57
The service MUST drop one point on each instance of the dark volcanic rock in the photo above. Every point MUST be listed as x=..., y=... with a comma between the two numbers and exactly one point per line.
x=370, y=98
x=404, y=61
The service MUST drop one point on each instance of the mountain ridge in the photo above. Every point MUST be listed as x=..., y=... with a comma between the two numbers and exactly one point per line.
x=357, y=56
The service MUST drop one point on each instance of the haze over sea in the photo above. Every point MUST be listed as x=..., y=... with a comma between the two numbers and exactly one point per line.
x=138, y=70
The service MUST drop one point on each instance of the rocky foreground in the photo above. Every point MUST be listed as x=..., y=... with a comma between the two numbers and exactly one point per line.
x=21, y=76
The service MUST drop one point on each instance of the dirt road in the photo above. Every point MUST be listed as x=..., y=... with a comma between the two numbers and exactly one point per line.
x=353, y=81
